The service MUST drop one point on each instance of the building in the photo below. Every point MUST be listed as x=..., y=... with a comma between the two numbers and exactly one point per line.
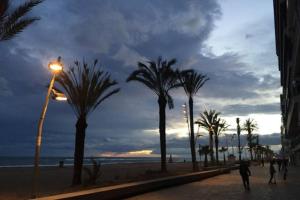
x=287, y=33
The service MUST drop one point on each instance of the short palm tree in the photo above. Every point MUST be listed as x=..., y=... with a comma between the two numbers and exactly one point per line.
x=191, y=82
x=207, y=120
x=205, y=150
x=219, y=128
x=250, y=125
x=223, y=150
x=14, y=22
x=86, y=88
x=160, y=78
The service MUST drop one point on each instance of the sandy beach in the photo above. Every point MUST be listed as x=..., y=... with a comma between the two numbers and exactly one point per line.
x=15, y=183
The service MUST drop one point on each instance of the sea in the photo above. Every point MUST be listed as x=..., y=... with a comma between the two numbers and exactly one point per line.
x=68, y=161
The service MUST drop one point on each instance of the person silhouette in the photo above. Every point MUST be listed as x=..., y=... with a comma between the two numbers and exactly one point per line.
x=245, y=173
x=272, y=172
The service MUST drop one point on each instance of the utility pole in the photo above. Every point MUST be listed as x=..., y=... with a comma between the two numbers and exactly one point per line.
x=239, y=140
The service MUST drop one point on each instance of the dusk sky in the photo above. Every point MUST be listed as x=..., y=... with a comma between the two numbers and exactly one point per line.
x=232, y=42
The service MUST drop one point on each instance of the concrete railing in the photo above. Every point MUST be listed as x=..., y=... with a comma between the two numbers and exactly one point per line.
x=135, y=188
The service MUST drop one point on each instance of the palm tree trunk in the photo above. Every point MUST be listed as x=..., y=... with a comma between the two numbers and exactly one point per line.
x=250, y=143
x=217, y=146
x=162, y=132
x=81, y=126
x=211, y=146
x=251, y=152
x=192, y=138
x=205, y=159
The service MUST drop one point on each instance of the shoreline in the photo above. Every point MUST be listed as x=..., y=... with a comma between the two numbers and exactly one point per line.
x=15, y=182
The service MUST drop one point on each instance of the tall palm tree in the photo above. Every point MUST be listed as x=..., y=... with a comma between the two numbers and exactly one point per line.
x=219, y=127
x=86, y=88
x=14, y=22
x=160, y=78
x=207, y=120
x=191, y=82
x=250, y=125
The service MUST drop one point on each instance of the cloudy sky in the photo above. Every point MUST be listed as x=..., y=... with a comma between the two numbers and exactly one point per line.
x=230, y=41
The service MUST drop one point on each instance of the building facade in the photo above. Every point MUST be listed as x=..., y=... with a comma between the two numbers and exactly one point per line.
x=287, y=34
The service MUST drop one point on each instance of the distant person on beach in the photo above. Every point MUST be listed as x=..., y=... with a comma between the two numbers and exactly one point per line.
x=245, y=173
x=272, y=172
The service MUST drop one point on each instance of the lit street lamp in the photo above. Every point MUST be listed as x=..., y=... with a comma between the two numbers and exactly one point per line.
x=185, y=115
x=55, y=67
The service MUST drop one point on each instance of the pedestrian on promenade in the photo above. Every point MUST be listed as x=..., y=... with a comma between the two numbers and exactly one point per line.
x=245, y=173
x=272, y=172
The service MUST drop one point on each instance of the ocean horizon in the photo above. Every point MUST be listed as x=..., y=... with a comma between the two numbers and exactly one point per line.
x=27, y=161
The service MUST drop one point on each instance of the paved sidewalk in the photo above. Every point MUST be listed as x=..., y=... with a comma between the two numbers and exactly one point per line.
x=229, y=186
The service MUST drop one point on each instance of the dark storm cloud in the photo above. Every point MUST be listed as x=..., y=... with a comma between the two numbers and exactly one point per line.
x=242, y=109
x=119, y=33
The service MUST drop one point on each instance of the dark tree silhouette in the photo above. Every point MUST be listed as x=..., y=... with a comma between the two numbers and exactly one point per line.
x=191, y=82
x=86, y=88
x=205, y=150
x=250, y=125
x=14, y=22
x=223, y=150
x=219, y=127
x=208, y=120
x=160, y=78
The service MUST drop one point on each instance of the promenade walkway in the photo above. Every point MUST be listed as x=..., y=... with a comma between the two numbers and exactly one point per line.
x=230, y=186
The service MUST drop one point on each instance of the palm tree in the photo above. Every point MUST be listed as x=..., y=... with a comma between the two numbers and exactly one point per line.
x=14, y=22
x=219, y=127
x=250, y=125
x=191, y=82
x=223, y=150
x=86, y=88
x=205, y=150
x=207, y=120
x=160, y=78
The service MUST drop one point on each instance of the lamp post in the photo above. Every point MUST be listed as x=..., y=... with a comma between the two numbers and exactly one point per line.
x=185, y=115
x=55, y=67
x=239, y=140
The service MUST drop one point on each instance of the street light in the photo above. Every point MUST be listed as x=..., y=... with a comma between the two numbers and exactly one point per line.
x=239, y=140
x=58, y=95
x=185, y=115
x=55, y=67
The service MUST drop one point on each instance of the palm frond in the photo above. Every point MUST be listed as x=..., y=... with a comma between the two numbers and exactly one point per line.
x=208, y=119
x=191, y=81
x=158, y=77
x=13, y=23
x=4, y=5
x=21, y=11
x=10, y=31
x=86, y=87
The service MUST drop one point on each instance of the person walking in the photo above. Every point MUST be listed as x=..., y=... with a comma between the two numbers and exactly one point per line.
x=245, y=173
x=272, y=172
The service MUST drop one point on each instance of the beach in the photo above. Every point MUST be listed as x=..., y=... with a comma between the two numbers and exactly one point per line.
x=15, y=182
